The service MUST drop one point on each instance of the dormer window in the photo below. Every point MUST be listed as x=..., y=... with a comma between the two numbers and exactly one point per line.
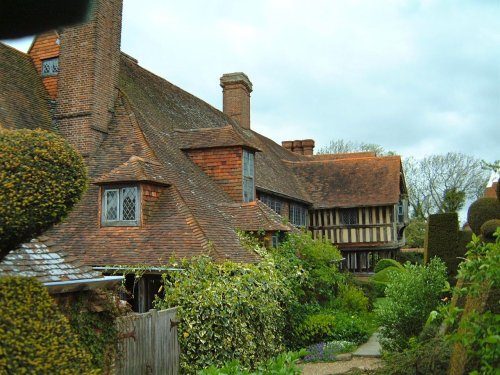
x=50, y=67
x=248, y=176
x=120, y=206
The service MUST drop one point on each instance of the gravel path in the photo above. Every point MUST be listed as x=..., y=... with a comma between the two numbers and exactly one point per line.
x=341, y=367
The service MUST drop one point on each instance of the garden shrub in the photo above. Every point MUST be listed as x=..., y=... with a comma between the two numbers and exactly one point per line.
x=369, y=291
x=36, y=337
x=351, y=298
x=319, y=258
x=477, y=337
x=413, y=257
x=481, y=211
x=333, y=325
x=228, y=311
x=488, y=229
x=444, y=241
x=411, y=296
x=384, y=263
x=380, y=279
x=41, y=178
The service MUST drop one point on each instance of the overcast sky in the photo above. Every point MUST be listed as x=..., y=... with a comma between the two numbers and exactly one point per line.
x=417, y=77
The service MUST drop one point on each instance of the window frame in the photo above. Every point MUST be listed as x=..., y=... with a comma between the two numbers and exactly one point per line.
x=349, y=211
x=50, y=63
x=120, y=222
x=248, y=176
x=272, y=202
x=299, y=211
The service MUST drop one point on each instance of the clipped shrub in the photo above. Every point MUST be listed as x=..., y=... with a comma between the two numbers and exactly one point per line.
x=36, y=336
x=384, y=263
x=229, y=311
x=413, y=257
x=41, y=178
x=481, y=211
x=411, y=296
x=443, y=242
x=489, y=228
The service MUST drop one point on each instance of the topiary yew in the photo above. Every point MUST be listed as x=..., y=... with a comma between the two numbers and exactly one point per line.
x=489, y=228
x=385, y=263
x=481, y=211
x=41, y=178
x=36, y=336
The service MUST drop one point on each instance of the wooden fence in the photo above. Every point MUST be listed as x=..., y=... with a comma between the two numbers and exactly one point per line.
x=148, y=344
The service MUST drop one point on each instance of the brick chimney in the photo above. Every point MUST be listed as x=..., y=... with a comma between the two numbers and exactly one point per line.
x=301, y=147
x=89, y=64
x=236, y=89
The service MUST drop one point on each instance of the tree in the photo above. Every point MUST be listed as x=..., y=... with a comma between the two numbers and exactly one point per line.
x=41, y=178
x=341, y=146
x=439, y=183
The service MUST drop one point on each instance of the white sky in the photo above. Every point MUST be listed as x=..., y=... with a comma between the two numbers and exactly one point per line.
x=418, y=77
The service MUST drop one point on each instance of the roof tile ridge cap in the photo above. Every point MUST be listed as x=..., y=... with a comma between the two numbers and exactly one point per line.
x=133, y=118
x=319, y=161
x=193, y=130
x=186, y=211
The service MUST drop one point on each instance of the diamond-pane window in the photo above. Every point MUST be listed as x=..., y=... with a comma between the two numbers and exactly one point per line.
x=349, y=216
x=120, y=206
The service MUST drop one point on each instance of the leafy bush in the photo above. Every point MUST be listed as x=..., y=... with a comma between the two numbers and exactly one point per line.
x=429, y=357
x=41, y=178
x=369, y=291
x=284, y=364
x=319, y=259
x=229, y=311
x=381, y=278
x=411, y=296
x=384, y=263
x=36, y=336
x=481, y=211
x=413, y=257
x=351, y=298
x=333, y=325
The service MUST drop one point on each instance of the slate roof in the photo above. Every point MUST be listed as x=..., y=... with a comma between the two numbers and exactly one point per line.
x=24, y=102
x=351, y=181
x=46, y=263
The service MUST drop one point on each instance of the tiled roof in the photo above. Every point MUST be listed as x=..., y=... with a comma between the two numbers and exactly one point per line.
x=136, y=169
x=351, y=182
x=254, y=216
x=45, y=262
x=24, y=102
x=212, y=137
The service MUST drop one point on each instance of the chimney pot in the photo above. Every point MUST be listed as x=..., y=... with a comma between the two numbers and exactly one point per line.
x=287, y=145
x=297, y=147
x=308, y=146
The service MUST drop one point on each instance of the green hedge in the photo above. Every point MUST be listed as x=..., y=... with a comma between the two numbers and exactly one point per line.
x=443, y=241
x=41, y=178
x=229, y=311
x=36, y=337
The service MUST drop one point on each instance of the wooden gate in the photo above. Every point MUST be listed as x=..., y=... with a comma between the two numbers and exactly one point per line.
x=148, y=344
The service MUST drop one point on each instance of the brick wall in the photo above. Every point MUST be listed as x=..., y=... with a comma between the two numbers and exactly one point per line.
x=236, y=97
x=224, y=166
x=44, y=47
x=88, y=76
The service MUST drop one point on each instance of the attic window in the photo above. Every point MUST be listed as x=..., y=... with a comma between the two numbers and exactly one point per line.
x=50, y=67
x=248, y=176
x=120, y=206
x=349, y=216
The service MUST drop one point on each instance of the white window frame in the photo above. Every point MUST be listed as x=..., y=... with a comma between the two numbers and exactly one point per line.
x=248, y=176
x=119, y=221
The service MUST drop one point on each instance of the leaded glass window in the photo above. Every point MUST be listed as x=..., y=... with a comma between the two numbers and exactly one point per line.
x=298, y=214
x=50, y=67
x=349, y=216
x=120, y=206
x=248, y=176
x=272, y=202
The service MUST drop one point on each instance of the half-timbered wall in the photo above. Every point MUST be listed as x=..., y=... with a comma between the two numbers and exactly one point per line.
x=373, y=224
